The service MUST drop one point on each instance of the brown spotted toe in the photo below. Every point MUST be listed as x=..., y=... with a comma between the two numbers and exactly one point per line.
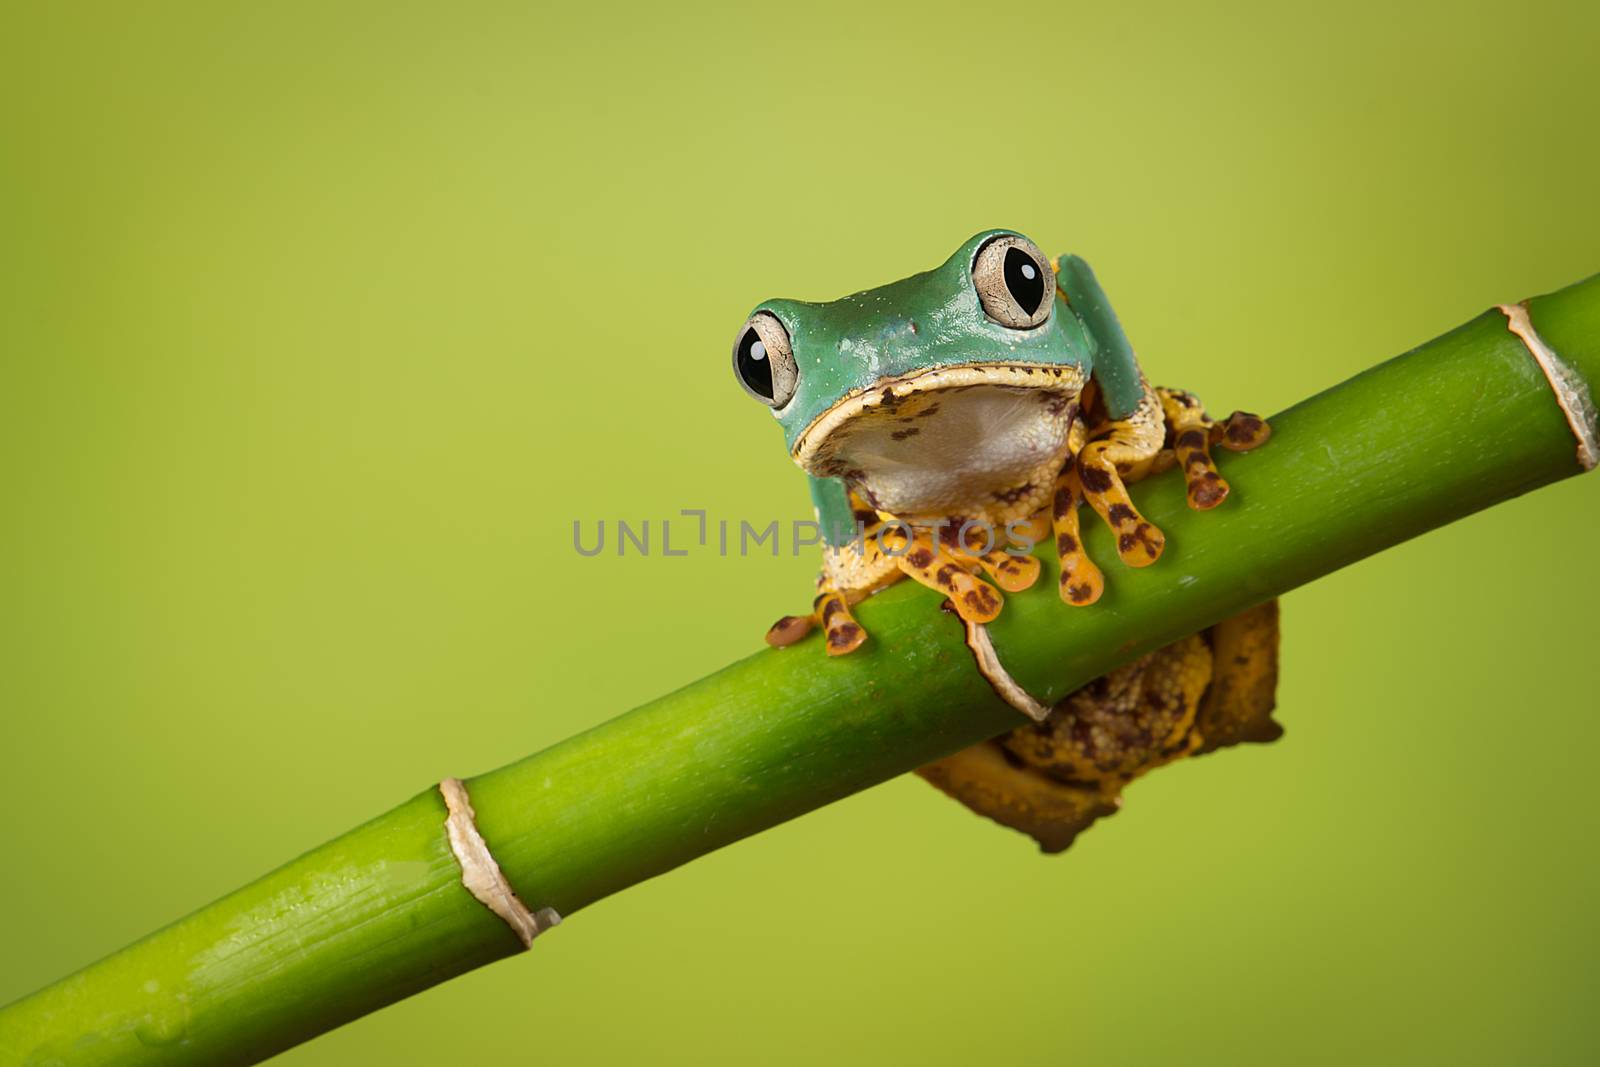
x=934, y=565
x=1243, y=431
x=844, y=634
x=789, y=629
x=1011, y=573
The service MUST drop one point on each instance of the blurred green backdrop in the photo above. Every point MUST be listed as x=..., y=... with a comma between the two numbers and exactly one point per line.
x=321, y=323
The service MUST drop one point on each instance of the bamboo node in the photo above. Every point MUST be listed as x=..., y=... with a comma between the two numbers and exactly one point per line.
x=481, y=874
x=1572, y=392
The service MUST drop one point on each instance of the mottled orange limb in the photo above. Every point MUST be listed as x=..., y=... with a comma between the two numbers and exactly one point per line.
x=1190, y=432
x=1193, y=433
x=1011, y=573
x=1025, y=533
x=831, y=610
x=1126, y=442
x=941, y=570
x=981, y=551
x=1081, y=581
x=844, y=634
x=1160, y=463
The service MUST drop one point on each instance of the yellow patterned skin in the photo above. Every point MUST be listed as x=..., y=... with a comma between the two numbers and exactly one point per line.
x=1095, y=459
x=1052, y=780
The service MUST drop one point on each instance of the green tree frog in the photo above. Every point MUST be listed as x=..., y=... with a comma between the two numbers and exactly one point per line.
x=991, y=394
x=997, y=392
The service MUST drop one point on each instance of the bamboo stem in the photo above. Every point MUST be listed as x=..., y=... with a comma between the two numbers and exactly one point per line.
x=1461, y=423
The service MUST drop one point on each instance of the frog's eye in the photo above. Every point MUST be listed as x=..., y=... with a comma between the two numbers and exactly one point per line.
x=1014, y=281
x=764, y=360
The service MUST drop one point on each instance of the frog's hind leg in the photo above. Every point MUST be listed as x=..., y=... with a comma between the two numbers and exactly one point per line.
x=1192, y=434
x=1122, y=444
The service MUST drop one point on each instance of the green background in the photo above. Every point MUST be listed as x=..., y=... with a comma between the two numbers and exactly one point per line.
x=321, y=323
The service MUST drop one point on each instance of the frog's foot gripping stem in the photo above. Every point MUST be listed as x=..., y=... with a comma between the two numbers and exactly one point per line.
x=844, y=634
x=1192, y=434
x=1009, y=571
x=1124, y=444
x=947, y=566
x=1081, y=581
x=945, y=570
x=832, y=611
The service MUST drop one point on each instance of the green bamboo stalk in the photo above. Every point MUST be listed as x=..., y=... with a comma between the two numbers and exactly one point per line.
x=1461, y=423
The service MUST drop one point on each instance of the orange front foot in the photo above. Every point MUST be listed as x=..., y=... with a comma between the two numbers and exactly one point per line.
x=1139, y=542
x=1081, y=580
x=942, y=570
x=832, y=612
x=1010, y=571
x=1192, y=434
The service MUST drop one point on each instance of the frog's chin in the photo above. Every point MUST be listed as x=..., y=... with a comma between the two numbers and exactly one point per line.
x=970, y=440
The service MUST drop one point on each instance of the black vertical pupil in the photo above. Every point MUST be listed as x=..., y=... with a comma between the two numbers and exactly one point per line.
x=756, y=373
x=1027, y=291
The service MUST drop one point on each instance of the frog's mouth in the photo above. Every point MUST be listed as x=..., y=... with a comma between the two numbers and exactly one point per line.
x=947, y=440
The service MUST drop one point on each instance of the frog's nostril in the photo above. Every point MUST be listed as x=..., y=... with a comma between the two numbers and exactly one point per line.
x=895, y=331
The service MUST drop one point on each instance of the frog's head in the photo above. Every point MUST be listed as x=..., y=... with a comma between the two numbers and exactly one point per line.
x=926, y=393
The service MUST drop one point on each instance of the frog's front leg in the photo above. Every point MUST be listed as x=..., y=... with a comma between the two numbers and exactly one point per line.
x=842, y=633
x=831, y=609
x=850, y=572
x=1193, y=434
x=852, y=568
x=945, y=570
x=1122, y=444
x=1010, y=570
x=884, y=553
x=1081, y=580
